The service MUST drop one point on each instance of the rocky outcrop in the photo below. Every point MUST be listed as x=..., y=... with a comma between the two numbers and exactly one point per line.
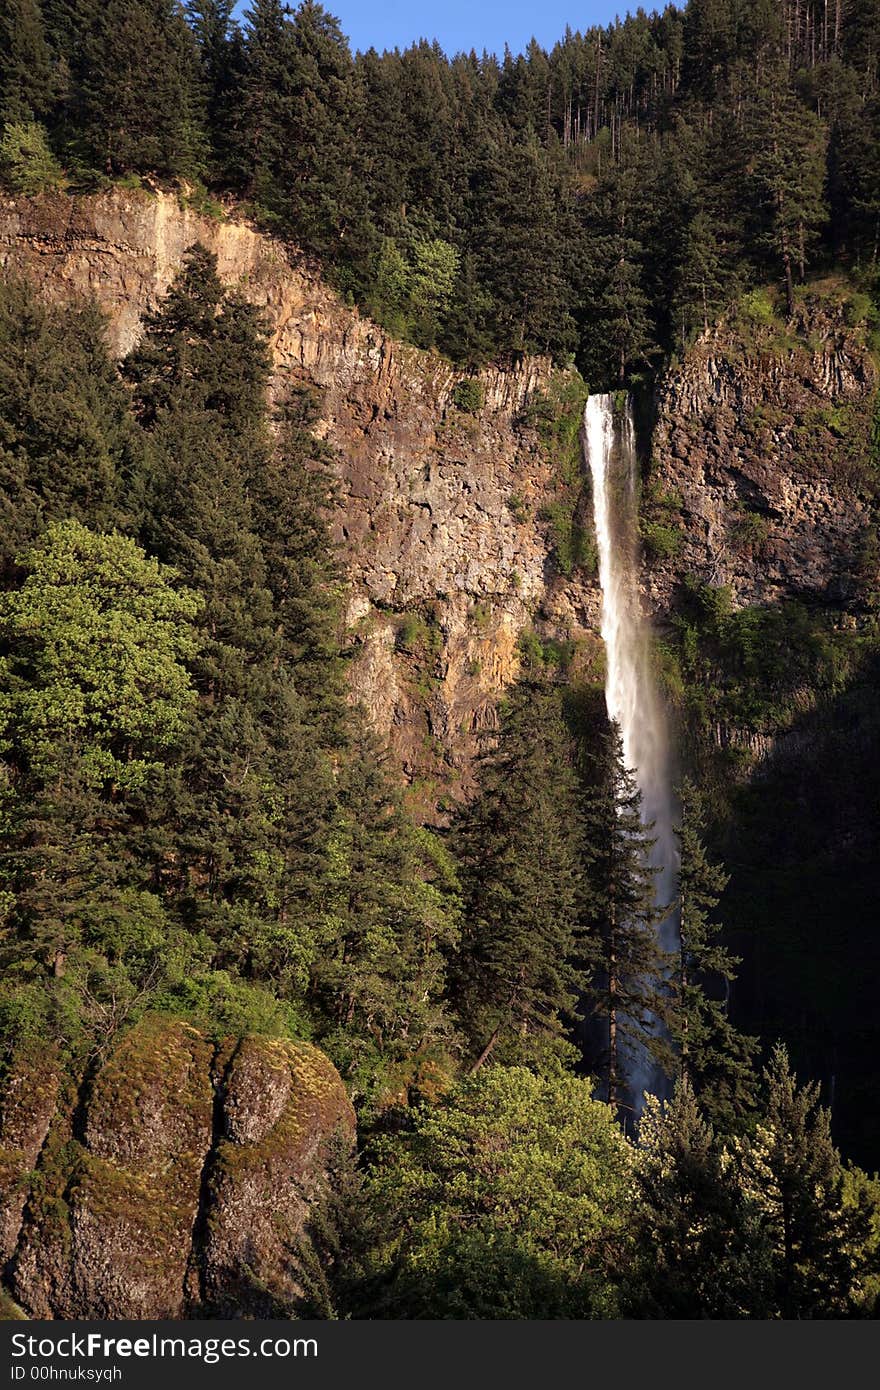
x=760, y=477
x=174, y=1182
x=26, y=1108
x=280, y=1101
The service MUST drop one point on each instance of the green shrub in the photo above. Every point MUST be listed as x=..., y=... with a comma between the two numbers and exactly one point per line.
x=749, y=531
x=860, y=309
x=573, y=544
x=758, y=307
x=27, y=165
x=468, y=396
x=535, y=651
x=199, y=199
x=660, y=542
x=480, y=614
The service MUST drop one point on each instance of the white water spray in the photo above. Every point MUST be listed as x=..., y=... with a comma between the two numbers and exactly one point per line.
x=631, y=694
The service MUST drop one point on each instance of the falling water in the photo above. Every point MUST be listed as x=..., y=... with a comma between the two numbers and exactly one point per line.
x=631, y=694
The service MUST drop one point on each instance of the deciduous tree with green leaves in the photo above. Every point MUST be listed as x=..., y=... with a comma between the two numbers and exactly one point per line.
x=510, y=1198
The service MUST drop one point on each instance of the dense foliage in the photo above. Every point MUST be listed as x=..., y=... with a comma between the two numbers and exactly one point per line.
x=195, y=820
x=605, y=198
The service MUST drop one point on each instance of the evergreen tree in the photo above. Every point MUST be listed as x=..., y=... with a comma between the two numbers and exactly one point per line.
x=819, y=1244
x=786, y=179
x=266, y=91
x=136, y=92
x=700, y=1252
x=318, y=171
x=221, y=60
x=522, y=241
x=246, y=850
x=388, y=925
x=291, y=492
x=26, y=79
x=698, y=290
x=516, y=982
x=619, y=916
x=612, y=259
x=709, y=1052
x=67, y=444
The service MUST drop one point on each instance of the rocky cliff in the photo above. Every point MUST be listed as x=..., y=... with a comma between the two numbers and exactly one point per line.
x=438, y=505
x=761, y=475
x=458, y=517
x=172, y=1182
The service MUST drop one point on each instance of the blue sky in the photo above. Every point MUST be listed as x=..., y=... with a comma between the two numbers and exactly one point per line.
x=466, y=24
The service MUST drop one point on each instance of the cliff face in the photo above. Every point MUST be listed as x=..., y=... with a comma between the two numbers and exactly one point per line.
x=760, y=471
x=438, y=505
x=445, y=514
x=173, y=1183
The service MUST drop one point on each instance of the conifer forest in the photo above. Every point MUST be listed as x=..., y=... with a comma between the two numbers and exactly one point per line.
x=439, y=666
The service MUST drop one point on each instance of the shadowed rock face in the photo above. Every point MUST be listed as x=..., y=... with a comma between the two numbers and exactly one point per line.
x=175, y=1182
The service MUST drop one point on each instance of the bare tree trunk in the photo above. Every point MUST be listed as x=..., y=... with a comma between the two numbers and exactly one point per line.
x=789, y=287
x=486, y=1052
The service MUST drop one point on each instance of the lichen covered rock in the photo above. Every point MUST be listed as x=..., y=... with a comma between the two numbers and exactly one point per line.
x=282, y=1103
x=26, y=1109
x=173, y=1179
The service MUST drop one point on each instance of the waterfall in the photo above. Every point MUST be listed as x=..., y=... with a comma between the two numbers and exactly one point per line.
x=631, y=693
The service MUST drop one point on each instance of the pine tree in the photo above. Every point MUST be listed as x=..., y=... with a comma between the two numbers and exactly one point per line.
x=267, y=88
x=697, y=294
x=698, y=1239
x=389, y=922
x=291, y=492
x=246, y=851
x=324, y=203
x=709, y=1052
x=136, y=93
x=516, y=983
x=67, y=444
x=611, y=274
x=619, y=917
x=26, y=79
x=786, y=178
x=521, y=237
x=220, y=50
x=819, y=1244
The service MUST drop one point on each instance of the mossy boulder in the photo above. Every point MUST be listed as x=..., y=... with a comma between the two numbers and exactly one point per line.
x=27, y=1105
x=282, y=1103
x=170, y=1182
x=113, y=1208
